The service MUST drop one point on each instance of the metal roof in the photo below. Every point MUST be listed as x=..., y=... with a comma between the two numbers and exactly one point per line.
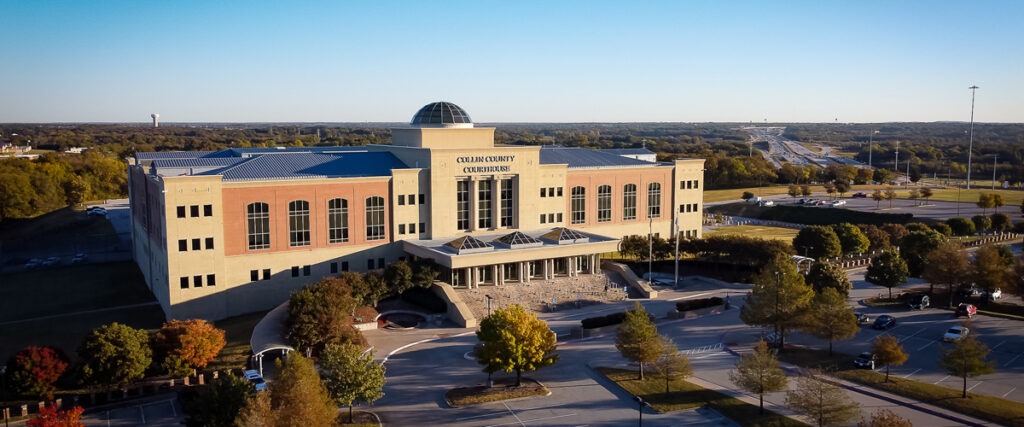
x=157, y=155
x=307, y=166
x=628, y=151
x=196, y=162
x=585, y=158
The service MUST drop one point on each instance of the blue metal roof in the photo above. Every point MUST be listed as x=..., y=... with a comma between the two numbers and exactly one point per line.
x=585, y=158
x=201, y=162
x=157, y=155
x=628, y=151
x=308, y=165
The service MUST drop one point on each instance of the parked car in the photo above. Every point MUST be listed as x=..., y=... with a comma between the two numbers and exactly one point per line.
x=838, y=203
x=883, y=322
x=96, y=212
x=865, y=360
x=970, y=291
x=256, y=379
x=919, y=302
x=860, y=195
x=861, y=317
x=994, y=294
x=968, y=310
x=955, y=333
x=766, y=203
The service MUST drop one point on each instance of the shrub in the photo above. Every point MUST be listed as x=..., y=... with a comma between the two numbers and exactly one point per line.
x=698, y=303
x=961, y=226
x=611, y=319
x=942, y=228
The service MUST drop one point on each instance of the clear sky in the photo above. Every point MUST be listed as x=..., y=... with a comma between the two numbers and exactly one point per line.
x=511, y=61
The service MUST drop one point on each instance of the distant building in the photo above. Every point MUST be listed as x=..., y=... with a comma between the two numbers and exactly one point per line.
x=223, y=233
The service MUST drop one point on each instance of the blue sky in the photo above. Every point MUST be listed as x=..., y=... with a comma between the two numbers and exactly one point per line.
x=513, y=61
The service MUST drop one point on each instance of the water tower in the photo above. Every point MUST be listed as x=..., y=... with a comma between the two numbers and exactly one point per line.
x=156, y=119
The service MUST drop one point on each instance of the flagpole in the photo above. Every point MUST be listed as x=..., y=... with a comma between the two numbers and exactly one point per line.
x=650, y=250
x=676, y=283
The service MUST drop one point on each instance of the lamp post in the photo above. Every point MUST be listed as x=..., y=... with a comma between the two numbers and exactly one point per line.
x=896, y=165
x=640, y=409
x=871, y=143
x=970, y=143
x=994, y=172
x=650, y=247
x=489, y=298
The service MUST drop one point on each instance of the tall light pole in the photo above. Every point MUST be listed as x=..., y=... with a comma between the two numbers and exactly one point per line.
x=871, y=143
x=896, y=166
x=675, y=283
x=489, y=298
x=970, y=143
x=994, y=172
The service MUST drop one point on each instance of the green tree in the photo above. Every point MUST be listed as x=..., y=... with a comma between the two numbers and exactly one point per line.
x=997, y=201
x=826, y=275
x=926, y=193
x=184, y=345
x=985, y=202
x=991, y=267
x=794, y=190
x=298, y=397
x=879, y=239
x=851, y=239
x=825, y=403
x=887, y=270
x=967, y=359
x=256, y=412
x=981, y=223
x=747, y=195
x=351, y=375
x=889, y=352
x=424, y=272
x=961, y=226
x=637, y=338
x=883, y=176
x=512, y=339
x=913, y=194
x=805, y=190
x=890, y=194
x=946, y=265
x=830, y=318
x=34, y=370
x=398, y=276
x=76, y=191
x=15, y=196
x=670, y=364
x=915, y=247
x=321, y=314
x=778, y=299
x=115, y=355
x=1001, y=222
x=885, y=418
x=877, y=196
x=361, y=289
x=830, y=188
x=759, y=373
x=217, y=404
x=842, y=187
x=818, y=241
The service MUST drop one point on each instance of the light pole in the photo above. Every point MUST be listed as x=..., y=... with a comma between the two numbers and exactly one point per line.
x=650, y=248
x=896, y=165
x=994, y=172
x=489, y=298
x=970, y=143
x=640, y=409
x=871, y=143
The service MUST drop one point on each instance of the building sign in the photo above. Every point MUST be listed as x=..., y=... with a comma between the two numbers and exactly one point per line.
x=491, y=168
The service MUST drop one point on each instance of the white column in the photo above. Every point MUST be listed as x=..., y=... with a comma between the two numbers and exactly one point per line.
x=496, y=201
x=496, y=268
x=473, y=203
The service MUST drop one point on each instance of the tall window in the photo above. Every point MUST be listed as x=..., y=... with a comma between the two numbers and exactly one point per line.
x=462, y=205
x=579, y=205
x=258, y=220
x=484, y=202
x=629, y=202
x=506, y=203
x=298, y=223
x=337, y=221
x=654, y=200
x=604, y=203
x=375, y=218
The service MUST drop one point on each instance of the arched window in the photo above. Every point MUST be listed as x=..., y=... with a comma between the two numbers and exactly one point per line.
x=654, y=200
x=337, y=221
x=258, y=225
x=629, y=202
x=579, y=205
x=298, y=223
x=375, y=218
x=604, y=203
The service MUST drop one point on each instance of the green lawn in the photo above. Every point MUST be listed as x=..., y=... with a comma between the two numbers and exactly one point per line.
x=237, y=333
x=777, y=233
x=686, y=395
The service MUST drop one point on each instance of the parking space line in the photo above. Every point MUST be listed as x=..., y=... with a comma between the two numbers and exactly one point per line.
x=912, y=373
x=973, y=386
x=690, y=296
x=480, y=416
x=926, y=346
x=1011, y=360
x=1011, y=391
x=997, y=345
x=514, y=414
x=911, y=336
x=943, y=379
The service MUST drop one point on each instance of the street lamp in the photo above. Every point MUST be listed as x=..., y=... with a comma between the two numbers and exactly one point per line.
x=970, y=144
x=489, y=298
x=871, y=141
x=640, y=408
x=994, y=172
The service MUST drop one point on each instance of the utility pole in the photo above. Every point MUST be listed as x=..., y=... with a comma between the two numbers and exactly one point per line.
x=994, y=172
x=896, y=166
x=871, y=143
x=970, y=144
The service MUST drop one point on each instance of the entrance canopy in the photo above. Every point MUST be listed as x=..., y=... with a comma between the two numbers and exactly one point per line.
x=516, y=246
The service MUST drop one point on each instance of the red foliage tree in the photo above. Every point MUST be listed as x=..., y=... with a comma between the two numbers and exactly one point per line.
x=34, y=370
x=182, y=345
x=51, y=417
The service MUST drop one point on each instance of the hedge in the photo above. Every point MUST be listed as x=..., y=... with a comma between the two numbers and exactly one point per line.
x=809, y=215
x=611, y=319
x=698, y=304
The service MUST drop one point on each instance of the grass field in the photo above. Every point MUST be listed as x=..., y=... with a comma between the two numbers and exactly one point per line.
x=1011, y=198
x=776, y=233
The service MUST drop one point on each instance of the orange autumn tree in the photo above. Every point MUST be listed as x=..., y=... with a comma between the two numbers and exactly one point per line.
x=183, y=345
x=51, y=417
x=34, y=371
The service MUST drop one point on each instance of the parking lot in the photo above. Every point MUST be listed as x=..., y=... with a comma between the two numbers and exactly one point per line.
x=166, y=412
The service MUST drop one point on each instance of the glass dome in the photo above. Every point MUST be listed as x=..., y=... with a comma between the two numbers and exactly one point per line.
x=442, y=114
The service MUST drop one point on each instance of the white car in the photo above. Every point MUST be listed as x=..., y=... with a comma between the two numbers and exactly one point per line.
x=995, y=294
x=955, y=333
x=839, y=203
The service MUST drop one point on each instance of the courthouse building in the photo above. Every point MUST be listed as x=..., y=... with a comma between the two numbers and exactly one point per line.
x=223, y=233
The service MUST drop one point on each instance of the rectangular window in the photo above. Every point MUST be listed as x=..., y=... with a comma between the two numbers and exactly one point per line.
x=181, y=211
x=423, y=198
x=412, y=199
x=506, y=203
x=551, y=191
x=462, y=205
x=195, y=244
x=258, y=217
x=681, y=208
x=182, y=245
x=401, y=228
x=298, y=223
x=209, y=243
x=375, y=218
x=307, y=270
x=344, y=266
x=604, y=203
x=197, y=281
x=696, y=184
x=211, y=280
x=543, y=192
x=380, y=262
x=654, y=200
x=194, y=210
x=295, y=271
x=207, y=210
x=266, y=274
x=412, y=228
x=334, y=267
x=558, y=218
x=579, y=205
x=629, y=202
x=401, y=200
x=183, y=283
x=369, y=264
x=559, y=191
x=682, y=185
x=337, y=221
x=543, y=219
x=689, y=185
x=254, y=275
x=484, y=203
x=551, y=218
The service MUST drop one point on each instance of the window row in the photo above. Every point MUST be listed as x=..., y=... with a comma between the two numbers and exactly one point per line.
x=689, y=184
x=194, y=211
x=296, y=271
x=485, y=198
x=258, y=222
x=411, y=228
x=688, y=207
x=578, y=203
x=183, y=244
x=551, y=218
x=551, y=192
x=197, y=281
x=411, y=199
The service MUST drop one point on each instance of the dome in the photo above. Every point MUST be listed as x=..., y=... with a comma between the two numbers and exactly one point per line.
x=442, y=114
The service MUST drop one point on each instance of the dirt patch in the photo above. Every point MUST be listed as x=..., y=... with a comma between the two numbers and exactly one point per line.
x=504, y=389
